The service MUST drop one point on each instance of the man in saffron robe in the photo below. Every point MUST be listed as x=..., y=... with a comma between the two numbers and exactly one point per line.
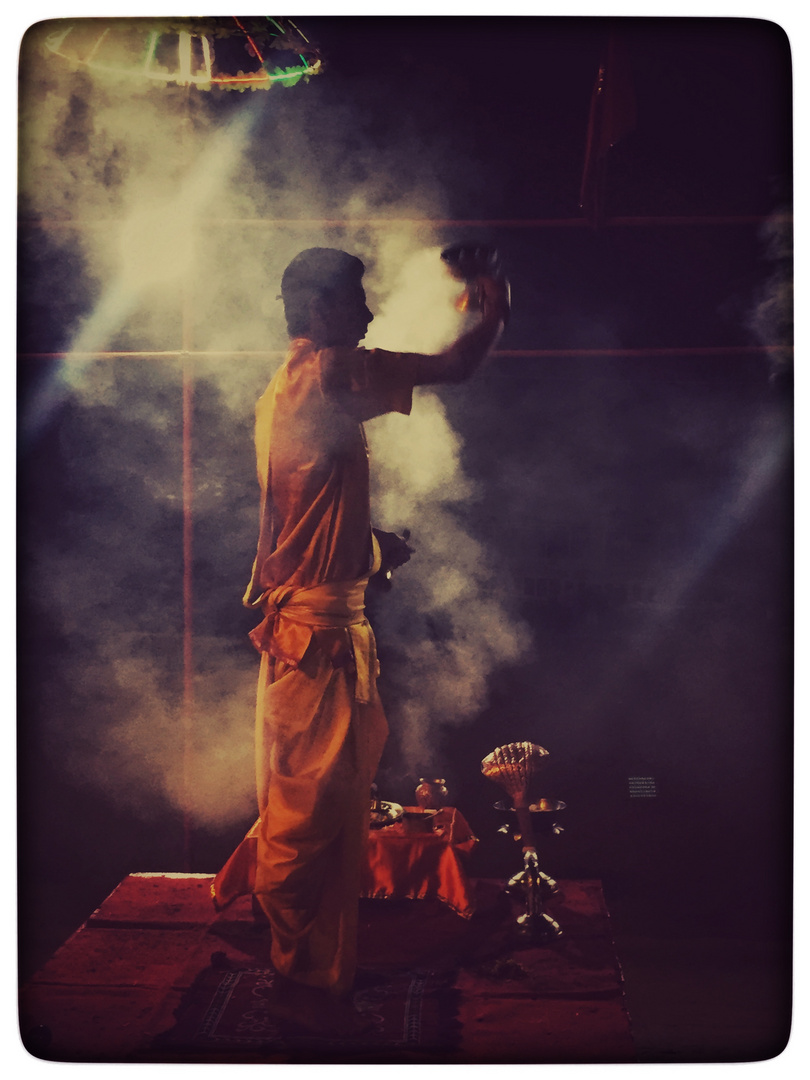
x=320, y=726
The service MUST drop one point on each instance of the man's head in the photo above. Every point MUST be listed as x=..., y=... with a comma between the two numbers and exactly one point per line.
x=324, y=299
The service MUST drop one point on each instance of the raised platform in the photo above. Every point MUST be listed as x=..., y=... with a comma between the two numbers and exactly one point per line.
x=156, y=974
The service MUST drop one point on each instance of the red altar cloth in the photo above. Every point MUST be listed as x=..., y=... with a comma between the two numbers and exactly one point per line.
x=421, y=857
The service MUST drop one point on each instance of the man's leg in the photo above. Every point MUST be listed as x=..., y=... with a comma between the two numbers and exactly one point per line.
x=319, y=750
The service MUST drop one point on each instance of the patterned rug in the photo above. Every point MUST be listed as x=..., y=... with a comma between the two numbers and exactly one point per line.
x=229, y=1011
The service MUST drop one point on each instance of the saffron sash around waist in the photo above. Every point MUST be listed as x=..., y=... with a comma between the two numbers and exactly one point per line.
x=294, y=615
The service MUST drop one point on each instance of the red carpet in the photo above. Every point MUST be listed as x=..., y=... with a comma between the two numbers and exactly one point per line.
x=227, y=1013
x=156, y=975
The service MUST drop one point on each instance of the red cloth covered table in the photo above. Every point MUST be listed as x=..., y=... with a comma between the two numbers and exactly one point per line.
x=421, y=857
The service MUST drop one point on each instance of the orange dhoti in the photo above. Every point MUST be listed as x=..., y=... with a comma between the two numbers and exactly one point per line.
x=320, y=731
x=320, y=725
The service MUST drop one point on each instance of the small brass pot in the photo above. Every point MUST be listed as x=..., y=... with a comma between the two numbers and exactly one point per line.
x=431, y=794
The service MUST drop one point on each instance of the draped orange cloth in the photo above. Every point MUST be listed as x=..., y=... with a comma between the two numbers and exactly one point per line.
x=320, y=727
x=421, y=857
x=312, y=462
x=318, y=750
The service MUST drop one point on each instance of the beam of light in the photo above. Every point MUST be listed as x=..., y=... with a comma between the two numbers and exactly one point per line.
x=114, y=308
x=764, y=454
x=156, y=253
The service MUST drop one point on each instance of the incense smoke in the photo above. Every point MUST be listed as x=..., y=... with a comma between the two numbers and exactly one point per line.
x=613, y=493
x=771, y=319
x=449, y=616
x=162, y=199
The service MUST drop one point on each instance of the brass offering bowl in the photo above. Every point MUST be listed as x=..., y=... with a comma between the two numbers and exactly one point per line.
x=384, y=813
x=542, y=812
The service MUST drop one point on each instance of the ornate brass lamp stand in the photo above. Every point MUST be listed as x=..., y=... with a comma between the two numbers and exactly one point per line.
x=515, y=767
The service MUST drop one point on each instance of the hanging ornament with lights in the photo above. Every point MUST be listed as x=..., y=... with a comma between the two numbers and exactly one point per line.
x=201, y=52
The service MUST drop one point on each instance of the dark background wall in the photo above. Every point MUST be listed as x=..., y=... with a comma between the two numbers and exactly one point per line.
x=634, y=506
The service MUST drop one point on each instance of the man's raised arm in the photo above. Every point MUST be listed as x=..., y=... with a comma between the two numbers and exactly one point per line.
x=461, y=359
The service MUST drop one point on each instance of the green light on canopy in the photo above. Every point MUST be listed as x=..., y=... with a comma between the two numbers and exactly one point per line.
x=183, y=51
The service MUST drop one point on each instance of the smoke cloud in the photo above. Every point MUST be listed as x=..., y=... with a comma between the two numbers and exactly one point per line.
x=771, y=320
x=449, y=617
x=164, y=216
